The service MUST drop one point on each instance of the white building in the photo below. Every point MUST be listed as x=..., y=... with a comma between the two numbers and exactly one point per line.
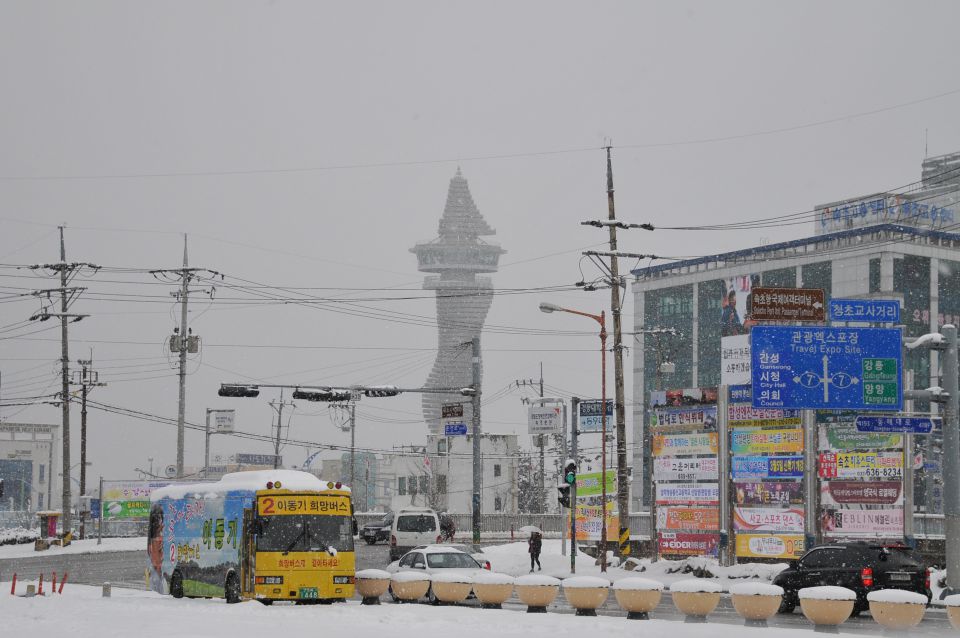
x=30, y=467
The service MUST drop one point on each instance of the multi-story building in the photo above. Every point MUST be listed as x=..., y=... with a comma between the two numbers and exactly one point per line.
x=30, y=469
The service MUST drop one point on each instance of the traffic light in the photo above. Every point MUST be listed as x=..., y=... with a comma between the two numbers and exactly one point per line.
x=382, y=391
x=243, y=391
x=563, y=495
x=321, y=395
x=570, y=472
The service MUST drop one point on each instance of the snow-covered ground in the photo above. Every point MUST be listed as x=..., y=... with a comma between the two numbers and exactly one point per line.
x=86, y=546
x=81, y=612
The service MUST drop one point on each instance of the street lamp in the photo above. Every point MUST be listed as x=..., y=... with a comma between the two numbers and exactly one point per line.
x=602, y=320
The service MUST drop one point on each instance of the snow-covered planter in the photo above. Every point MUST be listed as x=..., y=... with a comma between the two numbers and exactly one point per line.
x=492, y=589
x=372, y=584
x=756, y=602
x=828, y=605
x=536, y=591
x=696, y=598
x=451, y=588
x=409, y=586
x=897, y=609
x=638, y=596
x=953, y=609
x=586, y=593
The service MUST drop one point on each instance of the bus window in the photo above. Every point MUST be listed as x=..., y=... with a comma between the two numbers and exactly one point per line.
x=294, y=533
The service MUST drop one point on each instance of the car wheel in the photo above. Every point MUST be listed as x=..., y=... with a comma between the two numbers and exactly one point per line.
x=393, y=596
x=371, y=541
x=265, y=601
x=431, y=597
x=232, y=589
x=176, y=584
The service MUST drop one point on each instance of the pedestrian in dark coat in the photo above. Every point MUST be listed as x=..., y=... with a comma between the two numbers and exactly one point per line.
x=534, y=545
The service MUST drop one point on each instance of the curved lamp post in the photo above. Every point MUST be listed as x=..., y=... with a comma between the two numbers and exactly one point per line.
x=602, y=320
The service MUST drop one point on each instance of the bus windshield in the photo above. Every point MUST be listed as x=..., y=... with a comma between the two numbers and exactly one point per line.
x=305, y=533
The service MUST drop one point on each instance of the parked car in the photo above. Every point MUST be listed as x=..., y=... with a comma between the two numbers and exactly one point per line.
x=413, y=526
x=861, y=567
x=436, y=559
x=379, y=530
x=474, y=550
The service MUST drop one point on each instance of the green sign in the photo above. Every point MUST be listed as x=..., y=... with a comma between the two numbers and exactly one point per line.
x=880, y=379
x=117, y=510
x=588, y=484
x=845, y=436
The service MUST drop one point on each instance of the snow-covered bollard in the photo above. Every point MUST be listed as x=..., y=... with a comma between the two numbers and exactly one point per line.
x=756, y=602
x=638, y=596
x=450, y=588
x=492, y=589
x=586, y=593
x=372, y=584
x=536, y=591
x=696, y=598
x=896, y=609
x=953, y=610
x=827, y=606
x=409, y=587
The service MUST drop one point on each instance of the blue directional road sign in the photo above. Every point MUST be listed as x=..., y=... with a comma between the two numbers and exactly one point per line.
x=912, y=424
x=815, y=367
x=869, y=310
x=455, y=429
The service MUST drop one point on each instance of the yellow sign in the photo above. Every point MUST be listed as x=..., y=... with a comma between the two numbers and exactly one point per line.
x=588, y=523
x=747, y=441
x=674, y=444
x=290, y=504
x=786, y=546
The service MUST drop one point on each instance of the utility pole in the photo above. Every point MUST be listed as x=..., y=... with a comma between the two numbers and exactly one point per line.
x=278, y=407
x=183, y=341
x=86, y=378
x=540, y=441
x=67, y=296
x=477, y=469
x=623, y=487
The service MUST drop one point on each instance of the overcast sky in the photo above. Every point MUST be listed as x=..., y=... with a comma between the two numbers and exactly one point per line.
x=307, y=144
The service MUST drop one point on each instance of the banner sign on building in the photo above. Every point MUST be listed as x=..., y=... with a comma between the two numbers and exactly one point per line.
x=748, y=441
x=542, y=419
x=590, y=483
x=688, y=494
x=676, y=444
x=885, y=522
x=788, y=304
x=590, y=416
x=861, y=493
x=762, y=467
x=685, y=417
x=735, y=359
x=826, y=368
x=865, y=310
x=782, y=546
x=703, y=519
x=878, y=209
x=259, y=459
x=589, y=522
x=769, y=493
x=845, y=436
x=861, y=465
x=667, y=468
x=744, y=414
x=686, y=544
x=768, y=519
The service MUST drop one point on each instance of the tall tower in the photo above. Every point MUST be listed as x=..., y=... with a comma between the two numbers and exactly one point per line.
x=463, y=298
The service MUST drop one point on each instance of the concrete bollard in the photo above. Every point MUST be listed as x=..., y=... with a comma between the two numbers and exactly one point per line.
x=106, y=590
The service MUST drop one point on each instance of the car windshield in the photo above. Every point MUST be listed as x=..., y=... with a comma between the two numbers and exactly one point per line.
x=416, y=523
x=452, y=560
x=305, y=533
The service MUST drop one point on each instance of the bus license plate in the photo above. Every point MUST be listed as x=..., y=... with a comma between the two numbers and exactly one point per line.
x=308, y=592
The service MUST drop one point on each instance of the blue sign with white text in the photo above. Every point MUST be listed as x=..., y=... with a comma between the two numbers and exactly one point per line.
x=455, y=429
x=821, y=368
x=870, y=310
x=765, y=467
x=912, y=424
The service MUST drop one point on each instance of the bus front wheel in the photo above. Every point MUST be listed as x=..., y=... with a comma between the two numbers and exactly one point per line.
x=232, y=588
x=176, y=585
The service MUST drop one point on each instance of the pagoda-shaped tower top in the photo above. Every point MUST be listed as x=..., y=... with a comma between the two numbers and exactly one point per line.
x=459, y=247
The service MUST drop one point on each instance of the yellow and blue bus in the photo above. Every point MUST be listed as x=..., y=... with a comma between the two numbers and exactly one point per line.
x=265, y=535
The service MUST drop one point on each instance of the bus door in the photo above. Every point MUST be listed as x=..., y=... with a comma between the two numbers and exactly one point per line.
x=248, y=553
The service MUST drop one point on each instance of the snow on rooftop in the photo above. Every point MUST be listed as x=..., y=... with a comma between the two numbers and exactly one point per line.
x=251, y=480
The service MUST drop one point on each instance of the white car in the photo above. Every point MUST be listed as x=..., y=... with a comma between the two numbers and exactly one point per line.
x=436, y=559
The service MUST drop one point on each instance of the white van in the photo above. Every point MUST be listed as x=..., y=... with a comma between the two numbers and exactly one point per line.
x=413, y=526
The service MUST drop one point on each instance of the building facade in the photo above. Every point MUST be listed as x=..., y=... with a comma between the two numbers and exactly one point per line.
x=455, y=259
x=29, y=468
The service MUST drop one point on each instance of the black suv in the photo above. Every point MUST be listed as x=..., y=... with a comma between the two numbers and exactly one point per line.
x=861, y=567
x=377, y=531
